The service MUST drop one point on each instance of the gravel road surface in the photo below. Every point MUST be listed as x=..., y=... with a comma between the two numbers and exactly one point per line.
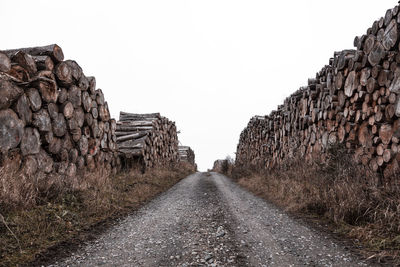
x=207, y=220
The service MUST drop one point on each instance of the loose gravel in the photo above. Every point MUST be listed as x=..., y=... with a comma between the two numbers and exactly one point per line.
x=207, y=220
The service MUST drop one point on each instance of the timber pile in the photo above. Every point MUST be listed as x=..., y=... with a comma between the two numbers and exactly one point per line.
x=354, y=100
x=220, y=165
x=186, y=154
x=149, y=139
x=52, y=114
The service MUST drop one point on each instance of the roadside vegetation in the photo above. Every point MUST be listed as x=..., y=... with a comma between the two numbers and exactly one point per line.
x=356, y=204
x=34, y=224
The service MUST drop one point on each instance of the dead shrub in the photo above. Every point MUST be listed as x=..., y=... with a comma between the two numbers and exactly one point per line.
x=90, y=199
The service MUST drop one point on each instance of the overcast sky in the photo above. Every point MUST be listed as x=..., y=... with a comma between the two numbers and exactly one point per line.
x=207, y=65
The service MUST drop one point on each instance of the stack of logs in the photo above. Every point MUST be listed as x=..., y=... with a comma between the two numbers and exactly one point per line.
x=147, y=138
x=353, y=101
x=186, y=154
x=52, y=115
x=221, y=166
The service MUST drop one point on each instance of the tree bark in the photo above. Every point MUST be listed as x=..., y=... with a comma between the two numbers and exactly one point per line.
x=5, y=63
x=30, y=142
x=11, y=130
x=23, y=110
x=9, y=93
x=54, y=51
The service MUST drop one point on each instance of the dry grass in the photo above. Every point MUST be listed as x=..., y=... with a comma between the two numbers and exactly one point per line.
x=53, y=219
x=359, y=205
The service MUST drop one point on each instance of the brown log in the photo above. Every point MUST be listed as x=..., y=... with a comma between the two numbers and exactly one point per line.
x=92, y=84
x=47, y=137
x=48, y=88
x=99, y=97
x=76, y=70
x=86, y=131
x=133, y=116
x=372, y=85
x=386, y=133
x=397, y=107
x=95, y=113
x=63, y=95
x=392, y=98
x=54, y=51
x=363, y=134
x=79, y=116
x=86, y=101
x=133, y=128
x=369, y=44
x=338, y=83
x=377, y=53
x=30, y=142
x=25, y=61
x=55, y=146
x=75, y=96
x=9, y=93
x=19, y=73
x=83, y=146
x=351, y=84
x=95, y=129
x=390, y=35
x=341, y=134
x=83, y=83
x=67, y=142
x=64, y=155
x=132, y=136
x=365, y=74
x=73, y=126
x=383, y=77
x=41, y=120
x=11, y=130
x=379, y=160
x=35, y=101
x=23, y=110
x=52, y=108
x=104, y=113
x=395, y=85
x=5, y=63
x=68, y=110
x=59, y=125
x=64, y=74
x=43, y=62
x=88, y=119
x=389, y=112
x=387, y=155
x=380, y=149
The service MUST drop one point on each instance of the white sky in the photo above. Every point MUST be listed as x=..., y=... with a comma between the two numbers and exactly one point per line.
x=207, y=65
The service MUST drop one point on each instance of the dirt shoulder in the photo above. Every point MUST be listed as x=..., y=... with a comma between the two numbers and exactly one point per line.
x=363, y=238
x=55, y=228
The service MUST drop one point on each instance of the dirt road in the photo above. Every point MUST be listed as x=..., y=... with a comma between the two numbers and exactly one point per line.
x=207, y=220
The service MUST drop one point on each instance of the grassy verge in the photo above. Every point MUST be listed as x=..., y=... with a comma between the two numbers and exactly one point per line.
x=364, y=208
x=26, y=232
